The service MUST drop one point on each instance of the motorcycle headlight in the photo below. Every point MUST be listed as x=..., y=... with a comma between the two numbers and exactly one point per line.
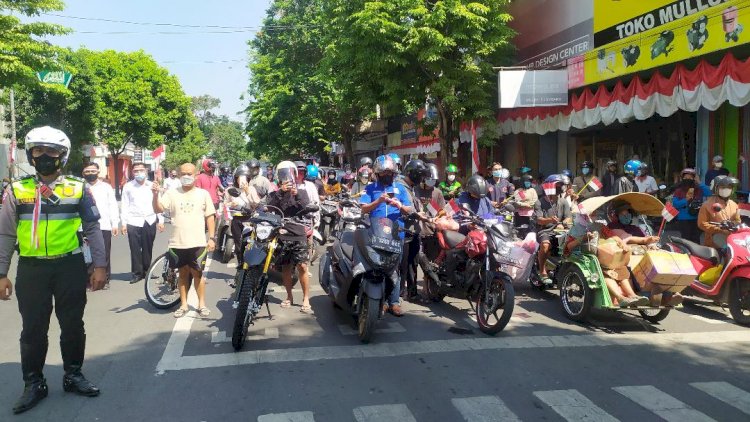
x=263, y=231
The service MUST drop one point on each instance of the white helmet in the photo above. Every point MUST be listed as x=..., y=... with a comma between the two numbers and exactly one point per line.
x=48, y=137
x=286, y=170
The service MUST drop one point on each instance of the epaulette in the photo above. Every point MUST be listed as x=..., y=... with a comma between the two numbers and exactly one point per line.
x=76, y=178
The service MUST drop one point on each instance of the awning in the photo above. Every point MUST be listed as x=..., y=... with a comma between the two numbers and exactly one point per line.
x=705, y=86
x=425, y=147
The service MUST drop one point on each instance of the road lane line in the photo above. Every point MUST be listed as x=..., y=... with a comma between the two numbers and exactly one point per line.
x=573, y=406
x=727, y=393
x=708, y=320
x=392, y=327
x=384, y=413
x=287, y=417
x=484, y=409
x=268, y=334
x=661, y=404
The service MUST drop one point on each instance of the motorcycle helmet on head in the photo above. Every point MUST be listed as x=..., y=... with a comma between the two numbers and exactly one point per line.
x=311, y=172
x=241, y=170
x=416, y=171
x=566, y=172
x=51, y=138
x=451, y=169
x=611, y=163
x=254, y=166
x=433, y=175
x=524, y=170
x=556, y=179
x=331, y=172
x=364, y=172
x=286, y=171
x=365, y=162
x=384, y=163
x=631, y=167
x=724, y=186
x=587, y=167
x=526, y=181
x=643, y=170
x=396, y=158
x=476, y=186
x=688, y=172
x=208, y=165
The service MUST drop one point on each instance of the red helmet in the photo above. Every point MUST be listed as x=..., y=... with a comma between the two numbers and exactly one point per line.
x=208, y=165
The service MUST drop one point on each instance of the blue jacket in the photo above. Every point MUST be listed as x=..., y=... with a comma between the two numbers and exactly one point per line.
x=679, y=201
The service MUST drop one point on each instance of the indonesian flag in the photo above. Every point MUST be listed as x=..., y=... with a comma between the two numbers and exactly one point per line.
x=159, y=153
x=595, y=184
x=549, y=189
x=451, y=208
x=669, y=212
x=474, y=150
x=583, y=213
x=433, y=208
x=744, y=210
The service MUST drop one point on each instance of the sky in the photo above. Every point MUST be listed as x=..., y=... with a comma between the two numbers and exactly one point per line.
x=207, y=60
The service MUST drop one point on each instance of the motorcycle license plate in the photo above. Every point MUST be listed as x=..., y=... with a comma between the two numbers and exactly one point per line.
x=387, y=245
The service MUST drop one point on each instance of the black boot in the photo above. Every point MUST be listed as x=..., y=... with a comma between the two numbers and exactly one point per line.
x=35, y=386
x=74, y=381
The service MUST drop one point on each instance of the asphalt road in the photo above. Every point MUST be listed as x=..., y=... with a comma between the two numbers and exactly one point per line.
x=431, y=365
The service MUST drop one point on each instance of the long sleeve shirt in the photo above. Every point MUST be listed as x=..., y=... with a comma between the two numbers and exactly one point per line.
x=137, y=205
x=106, y=202
x=729, y=211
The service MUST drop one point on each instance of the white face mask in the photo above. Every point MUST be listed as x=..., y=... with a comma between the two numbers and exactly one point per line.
x=725, y=193
x=451, y=177
x=187, y=180
x=718, y=165
x=430, y=182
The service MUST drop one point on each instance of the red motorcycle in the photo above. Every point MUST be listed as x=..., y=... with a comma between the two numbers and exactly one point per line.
x=730, y=268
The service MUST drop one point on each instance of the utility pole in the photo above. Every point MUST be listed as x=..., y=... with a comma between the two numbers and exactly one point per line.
x=12, y=146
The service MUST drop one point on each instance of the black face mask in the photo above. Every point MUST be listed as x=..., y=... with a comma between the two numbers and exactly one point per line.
x=46, y=165
x=688, y=182
x=90, y=177
x=385, y=180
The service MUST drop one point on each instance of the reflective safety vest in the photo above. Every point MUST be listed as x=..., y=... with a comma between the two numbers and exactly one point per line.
x=57, y=227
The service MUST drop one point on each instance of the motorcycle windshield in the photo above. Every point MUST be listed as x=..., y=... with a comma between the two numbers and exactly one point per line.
x=384, y=235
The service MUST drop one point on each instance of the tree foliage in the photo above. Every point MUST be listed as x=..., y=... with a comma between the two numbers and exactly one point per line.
x=23, y=52
x=190, y=149
x=227, y=143
x=202, y=106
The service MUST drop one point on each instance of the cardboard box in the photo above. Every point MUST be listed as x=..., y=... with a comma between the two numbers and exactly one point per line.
x=611, y=255
x=664, y=270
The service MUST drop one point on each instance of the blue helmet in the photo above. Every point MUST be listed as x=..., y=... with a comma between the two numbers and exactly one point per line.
x=312, y=172
x=632, y=167
x=554, y=178
x=567, y=172
x=395, y=157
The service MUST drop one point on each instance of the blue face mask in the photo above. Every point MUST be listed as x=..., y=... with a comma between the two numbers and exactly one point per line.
x=497, y=173
x=585, y=171
x=625, y=219
x=527, y=185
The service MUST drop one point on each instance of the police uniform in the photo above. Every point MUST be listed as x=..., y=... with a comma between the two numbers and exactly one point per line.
x=45, y=228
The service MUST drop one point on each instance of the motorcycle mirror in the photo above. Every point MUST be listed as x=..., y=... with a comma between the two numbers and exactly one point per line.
x=662, y=187
x=717, y=208
x=234, y=192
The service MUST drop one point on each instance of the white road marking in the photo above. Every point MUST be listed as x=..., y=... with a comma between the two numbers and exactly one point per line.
x=514, y=322
x=662, y=404
x=708, y=320
x=287, y=417
x=573, y=406
x=297, y=289
x=727, y=393
x=393, y=327
x=268, y=334
x=484, y=409
x=384, y=413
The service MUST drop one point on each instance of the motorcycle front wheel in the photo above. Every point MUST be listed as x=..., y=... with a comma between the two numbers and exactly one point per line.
x=368, y=318
x=739, y=301
x=228, y=250
x=495, y=305
x=243, y=316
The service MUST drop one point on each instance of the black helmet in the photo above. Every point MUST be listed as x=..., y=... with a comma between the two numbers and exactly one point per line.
x=252, y=163
x=300, y=165
x=241, y=170
x=365, y=161
x=611, y=163
x=527, y=178
x=723, y=182
x=226, y=169
x=642, y=170
x=587, y=164
x=477, y=186
x=331, y=172
x=416, y=171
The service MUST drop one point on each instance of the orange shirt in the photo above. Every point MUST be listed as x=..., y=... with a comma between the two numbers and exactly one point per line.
x=730, y=211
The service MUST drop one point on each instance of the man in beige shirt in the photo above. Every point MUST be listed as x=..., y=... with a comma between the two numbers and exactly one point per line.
x=192, y=211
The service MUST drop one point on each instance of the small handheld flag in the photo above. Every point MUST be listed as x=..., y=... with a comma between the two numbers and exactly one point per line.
x=451, y=208
x=595, y=184
x=669, y=212
x=549, y=189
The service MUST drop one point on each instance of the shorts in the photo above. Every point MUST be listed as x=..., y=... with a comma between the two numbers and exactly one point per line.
x=547, y=236
x=295, y=253
x=194, y=258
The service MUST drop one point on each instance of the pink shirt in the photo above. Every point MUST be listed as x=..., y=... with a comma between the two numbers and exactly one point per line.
x=210, y=184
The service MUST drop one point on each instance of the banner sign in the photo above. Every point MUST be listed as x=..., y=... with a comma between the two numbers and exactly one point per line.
x=532, y=88
x=57, y=77
x=636, y=35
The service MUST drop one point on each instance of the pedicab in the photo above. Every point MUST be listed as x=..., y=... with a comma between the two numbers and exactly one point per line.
x=581, y=278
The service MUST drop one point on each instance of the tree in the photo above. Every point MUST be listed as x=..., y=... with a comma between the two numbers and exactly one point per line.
x=202, y=106
x=401, y=53
x=188, y=150
x=22, y=51
x=227, y=143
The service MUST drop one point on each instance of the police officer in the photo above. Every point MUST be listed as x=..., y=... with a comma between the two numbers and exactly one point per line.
x=43, y=213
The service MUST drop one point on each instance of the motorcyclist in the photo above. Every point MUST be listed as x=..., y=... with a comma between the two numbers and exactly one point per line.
x=363, y=179
x=386, y=199
x=582, y=183
x=262, y=185
x=365, y=162
x=225, y=176
x=645, y=181
x=241, y=206
x=414, y=173
x=450, y=187
x=524, y=201
x=332, y=187
x=717, y=169
x=499, y=187
x=433, y=202
x=626, y=182
x=609, y=178
x=723, y=189
x=312, y=175
x=291, y=198
x=552, y=212
x=475, y=196
x=688, y=198
x=349, y=178
x=396, y=159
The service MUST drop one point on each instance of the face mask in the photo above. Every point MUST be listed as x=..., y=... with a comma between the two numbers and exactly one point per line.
x=90, y=177
x=718, y=165
x=430, y=182
x=451, y=177
x=725, y=193
x=527, y=185
x=386, y=180
x=187, y=180
x=46, y=165
x=331, y=177
x=688, y=182
x=140, y=177
x=585, y=171
x=625, y=219
x=497, y=173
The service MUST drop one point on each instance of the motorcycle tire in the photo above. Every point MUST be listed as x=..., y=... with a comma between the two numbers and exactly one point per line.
x=228, y=251
x=432, y=290
x=325, y=232
x=536, y=279
x=368, y=318
x=500, y=293
x=573, y=279
x=739, y=301
x=243, y=317
x=654, y=315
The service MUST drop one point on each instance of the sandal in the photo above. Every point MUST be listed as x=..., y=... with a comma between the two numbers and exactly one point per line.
x=306, y=309
x=204, y=312
x=286, y=304
x=180, y=313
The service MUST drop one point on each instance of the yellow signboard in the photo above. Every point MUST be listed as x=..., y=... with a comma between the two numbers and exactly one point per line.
x=635, y=35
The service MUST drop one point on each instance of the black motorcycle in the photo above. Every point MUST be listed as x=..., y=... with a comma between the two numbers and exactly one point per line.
x=356, y=268
x=329, y=213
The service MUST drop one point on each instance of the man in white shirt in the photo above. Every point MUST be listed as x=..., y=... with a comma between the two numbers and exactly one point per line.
x=172, y=182
x=645, y=182
x=139, y=221
x=109, y=211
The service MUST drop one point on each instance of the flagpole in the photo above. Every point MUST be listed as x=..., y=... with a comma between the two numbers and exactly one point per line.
x=584, y=188
x=661, y=228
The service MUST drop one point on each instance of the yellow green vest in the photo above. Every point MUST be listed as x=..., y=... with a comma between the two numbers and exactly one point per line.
x=58, y=224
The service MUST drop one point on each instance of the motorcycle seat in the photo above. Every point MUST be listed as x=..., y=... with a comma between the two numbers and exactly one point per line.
x=453, y=239
x=702, y=252
x=347, y=243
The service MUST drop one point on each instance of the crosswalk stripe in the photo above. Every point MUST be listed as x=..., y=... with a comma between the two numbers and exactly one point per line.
x=661, y=403
x=287, y=417
x=392, y=327
x=727, y=393
x=573, y=406
x=268, y=333
x=384, y=413
x=484, y=409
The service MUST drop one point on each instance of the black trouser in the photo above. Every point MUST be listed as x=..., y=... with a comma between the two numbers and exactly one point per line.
x=236, y=227
x=107, y=235
x=409, y=264
x=37, y=283
x=141, y=240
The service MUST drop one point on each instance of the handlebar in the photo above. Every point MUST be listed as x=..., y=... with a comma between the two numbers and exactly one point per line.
x=727, y=225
